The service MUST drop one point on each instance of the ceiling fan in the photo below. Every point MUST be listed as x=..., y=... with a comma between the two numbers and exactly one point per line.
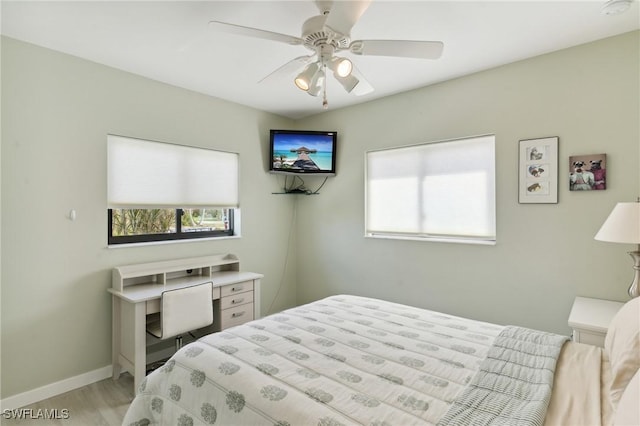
x=328, y=34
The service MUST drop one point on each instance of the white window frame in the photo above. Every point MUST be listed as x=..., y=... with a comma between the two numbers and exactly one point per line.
x=146, y=174
x=399, y=180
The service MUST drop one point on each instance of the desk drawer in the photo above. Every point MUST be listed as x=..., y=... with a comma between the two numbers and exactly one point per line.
x=236, y=300
x=236, y=316
x=230, y=290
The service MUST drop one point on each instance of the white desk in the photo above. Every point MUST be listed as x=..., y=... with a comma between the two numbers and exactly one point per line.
x=137, y=290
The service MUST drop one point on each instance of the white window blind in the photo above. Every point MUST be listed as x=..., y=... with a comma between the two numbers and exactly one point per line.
x=436, y=190
x=145, y=174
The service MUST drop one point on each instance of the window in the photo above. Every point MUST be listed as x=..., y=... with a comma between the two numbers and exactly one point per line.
x=441, y=191
x=145, y=225
x=159, y=191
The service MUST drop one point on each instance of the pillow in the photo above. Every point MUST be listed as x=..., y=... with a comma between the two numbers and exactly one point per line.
x=628, y=413
x=622, y=345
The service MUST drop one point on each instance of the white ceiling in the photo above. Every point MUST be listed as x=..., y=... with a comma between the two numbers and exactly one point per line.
x=171, y=42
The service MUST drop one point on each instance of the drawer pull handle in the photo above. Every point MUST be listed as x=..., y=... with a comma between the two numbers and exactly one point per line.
x=237, y=314
x=236, y=289
x=236, y=301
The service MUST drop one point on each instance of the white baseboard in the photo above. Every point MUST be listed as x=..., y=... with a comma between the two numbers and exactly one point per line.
x=57, y=388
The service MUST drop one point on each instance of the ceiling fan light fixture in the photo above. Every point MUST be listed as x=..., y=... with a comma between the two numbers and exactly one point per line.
x=342, y=67
x=317, y=83
x=301, y=83
x=349, y=82
x=304, y=80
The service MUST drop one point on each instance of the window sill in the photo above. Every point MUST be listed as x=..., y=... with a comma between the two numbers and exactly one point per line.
x=157, y=243
x=433, y=239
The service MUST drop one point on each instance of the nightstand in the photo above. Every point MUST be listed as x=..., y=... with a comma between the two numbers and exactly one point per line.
x=590, y=318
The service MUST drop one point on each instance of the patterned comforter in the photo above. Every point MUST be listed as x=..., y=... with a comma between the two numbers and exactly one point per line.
x=339, y=361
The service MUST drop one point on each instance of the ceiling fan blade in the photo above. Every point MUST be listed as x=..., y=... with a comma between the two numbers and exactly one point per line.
x=363, y=87
x=344, y=15
x=253, y=32
x=402, y=48
x=290, y=67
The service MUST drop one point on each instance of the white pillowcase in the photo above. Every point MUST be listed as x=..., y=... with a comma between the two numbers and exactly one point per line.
x=622, y=345
x=628, y=412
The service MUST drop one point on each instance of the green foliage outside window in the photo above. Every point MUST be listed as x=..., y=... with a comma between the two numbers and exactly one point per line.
x=143, y=221
x=127, y=223
x=213, y=218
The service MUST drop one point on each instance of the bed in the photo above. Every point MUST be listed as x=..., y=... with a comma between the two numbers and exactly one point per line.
x=347, y=360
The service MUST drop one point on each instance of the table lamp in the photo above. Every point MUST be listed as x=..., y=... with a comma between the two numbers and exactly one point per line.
x=623, y=226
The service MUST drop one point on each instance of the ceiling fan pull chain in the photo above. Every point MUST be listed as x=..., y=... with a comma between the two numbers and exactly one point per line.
x=325, y=103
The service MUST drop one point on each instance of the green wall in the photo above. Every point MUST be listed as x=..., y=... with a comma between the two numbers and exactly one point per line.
x=545, y=255
x=57, y=110
x=56, y=113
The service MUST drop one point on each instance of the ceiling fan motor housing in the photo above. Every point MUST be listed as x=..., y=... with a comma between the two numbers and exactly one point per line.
x=314, y=35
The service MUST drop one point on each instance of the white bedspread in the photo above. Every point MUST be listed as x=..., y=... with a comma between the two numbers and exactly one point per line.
x=341, y=360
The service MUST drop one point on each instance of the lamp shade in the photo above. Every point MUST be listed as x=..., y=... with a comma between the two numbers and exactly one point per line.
x=622, y=225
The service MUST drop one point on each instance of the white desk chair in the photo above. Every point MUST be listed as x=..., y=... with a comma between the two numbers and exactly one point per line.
x=183, y=310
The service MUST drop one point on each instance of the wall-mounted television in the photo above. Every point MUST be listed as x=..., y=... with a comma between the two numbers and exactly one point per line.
x=306, y=152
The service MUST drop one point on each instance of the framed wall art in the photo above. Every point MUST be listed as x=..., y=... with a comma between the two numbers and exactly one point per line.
x=538, y=171
x=588, y=172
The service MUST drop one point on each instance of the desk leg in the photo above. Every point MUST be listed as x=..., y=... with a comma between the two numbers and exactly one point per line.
x=140, y=346
x=256, y=299
x=115, y=337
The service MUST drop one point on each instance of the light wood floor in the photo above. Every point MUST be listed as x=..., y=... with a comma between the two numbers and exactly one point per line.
x=101, y=403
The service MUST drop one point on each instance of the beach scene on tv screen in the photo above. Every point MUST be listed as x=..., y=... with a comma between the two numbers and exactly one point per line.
x=302, y=152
